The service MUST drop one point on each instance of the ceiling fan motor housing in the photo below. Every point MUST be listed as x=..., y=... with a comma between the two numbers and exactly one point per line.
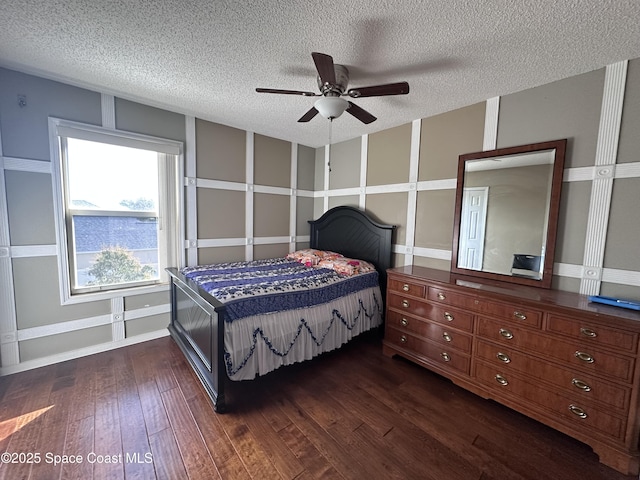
x=342, y=80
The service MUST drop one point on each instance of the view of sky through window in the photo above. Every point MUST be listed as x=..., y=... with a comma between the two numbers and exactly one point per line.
x=105, y=175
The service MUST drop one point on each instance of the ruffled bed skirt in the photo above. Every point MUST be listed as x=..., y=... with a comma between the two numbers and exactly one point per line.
x=259, y=344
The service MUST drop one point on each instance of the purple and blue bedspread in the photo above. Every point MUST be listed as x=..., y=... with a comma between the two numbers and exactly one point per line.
x=274, y=285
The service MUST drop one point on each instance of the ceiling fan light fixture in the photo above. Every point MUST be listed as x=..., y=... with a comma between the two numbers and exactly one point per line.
x=331, y=107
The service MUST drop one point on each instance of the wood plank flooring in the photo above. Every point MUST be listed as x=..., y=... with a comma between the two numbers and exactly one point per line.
x=139, y=412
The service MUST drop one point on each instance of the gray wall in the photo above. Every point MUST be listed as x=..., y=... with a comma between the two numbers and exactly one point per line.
x=250, y=196
x=422, y=204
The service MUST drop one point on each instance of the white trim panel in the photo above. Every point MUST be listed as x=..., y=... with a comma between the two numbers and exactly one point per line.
x=602, y=185
x=108, y=107
x=27, y=251
x=492, y=111
x=26, y=165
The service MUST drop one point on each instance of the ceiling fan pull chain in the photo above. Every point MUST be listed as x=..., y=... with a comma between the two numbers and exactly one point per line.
x=329, y=147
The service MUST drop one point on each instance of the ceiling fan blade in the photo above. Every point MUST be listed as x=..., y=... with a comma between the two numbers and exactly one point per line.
x=324, y=66
x=400, y=88
x=309, y=115
x=286, y=92
x=360, y=113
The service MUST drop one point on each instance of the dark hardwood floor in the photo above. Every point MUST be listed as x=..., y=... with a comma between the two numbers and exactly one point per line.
x=139, y=412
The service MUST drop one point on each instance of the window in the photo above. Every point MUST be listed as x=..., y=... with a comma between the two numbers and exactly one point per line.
x=117, y=204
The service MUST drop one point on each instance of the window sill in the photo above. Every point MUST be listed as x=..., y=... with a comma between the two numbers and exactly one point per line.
x=109, y=294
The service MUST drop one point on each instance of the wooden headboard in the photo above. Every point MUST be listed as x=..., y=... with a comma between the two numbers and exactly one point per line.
x=354, y=234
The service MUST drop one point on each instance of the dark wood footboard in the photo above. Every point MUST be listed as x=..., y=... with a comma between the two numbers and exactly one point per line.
x=197, y=326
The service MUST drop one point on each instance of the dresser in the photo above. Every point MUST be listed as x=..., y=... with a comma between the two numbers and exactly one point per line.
x=550, y=355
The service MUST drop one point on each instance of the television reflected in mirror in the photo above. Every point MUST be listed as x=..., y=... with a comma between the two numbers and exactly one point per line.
x=506, y=213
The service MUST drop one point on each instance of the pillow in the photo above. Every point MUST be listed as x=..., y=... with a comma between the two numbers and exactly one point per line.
x=311, y=256
x=347, y=266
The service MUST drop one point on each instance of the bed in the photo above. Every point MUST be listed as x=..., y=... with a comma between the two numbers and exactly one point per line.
x=233, y=323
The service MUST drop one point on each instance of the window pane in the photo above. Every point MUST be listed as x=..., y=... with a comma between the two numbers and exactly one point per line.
x=111, y=250
x=111, y=177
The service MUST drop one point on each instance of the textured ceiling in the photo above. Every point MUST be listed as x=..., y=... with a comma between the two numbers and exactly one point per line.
x=205, y=58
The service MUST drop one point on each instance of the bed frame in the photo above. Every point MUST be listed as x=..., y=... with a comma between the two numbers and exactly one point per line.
x=197, y=318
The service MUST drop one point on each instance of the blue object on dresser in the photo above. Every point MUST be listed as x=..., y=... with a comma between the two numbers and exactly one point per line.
x=616, y=302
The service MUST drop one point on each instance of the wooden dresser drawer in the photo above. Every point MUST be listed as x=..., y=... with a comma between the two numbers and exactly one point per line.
x=433, y=331
x=448, y=297
x=407, y=287
x=434, y=352
x=435, y=313
x=590, y=333
x=567, y=407
x=573, y=354
x=518, y=314
x=521, y=314
x=583, y=386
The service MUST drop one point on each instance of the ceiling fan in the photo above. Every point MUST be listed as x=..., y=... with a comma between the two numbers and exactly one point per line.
x=332, y=82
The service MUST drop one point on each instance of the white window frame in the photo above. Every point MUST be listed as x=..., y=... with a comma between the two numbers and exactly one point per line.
x=170, y=220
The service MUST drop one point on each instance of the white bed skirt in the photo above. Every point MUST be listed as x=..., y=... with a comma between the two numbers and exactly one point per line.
x=262, y=343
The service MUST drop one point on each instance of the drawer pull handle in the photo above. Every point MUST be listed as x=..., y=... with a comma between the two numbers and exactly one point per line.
x=585, y=357
x=579, y=384
x=501, y=380
x=446, y=336
x=405, y=303
x=519, y=315
x=579, y=412
x=403, y=339
x=441, y=296
x=445, y=356
x=448, y=317
x=503, y=357
x=506, y=333
x=404, y=322
x=405, y=287
x=587, y=332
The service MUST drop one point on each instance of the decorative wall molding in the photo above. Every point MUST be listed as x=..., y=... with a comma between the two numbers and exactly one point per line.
x=108, y=108
x=293, y=203
x=9, y=351
x=243, y=241
x=191, y=192
x=623, y=277
x=145, y=312
x=579, y=174
x=117, y=319
x=63, y=327
x=26, y=165
x=492, y=111
x=364, y=157
x=432, y=253
x=27, y=251
x=445, y=184
x=248, y=229
x=627, y=170
x=602, y=184
x=117, y=316
x=272, y=190
x=412, y=197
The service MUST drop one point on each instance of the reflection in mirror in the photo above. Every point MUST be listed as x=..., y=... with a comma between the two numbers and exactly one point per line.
x=506, y=213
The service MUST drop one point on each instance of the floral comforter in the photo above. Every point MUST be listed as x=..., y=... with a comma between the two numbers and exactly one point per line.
x=275, y=285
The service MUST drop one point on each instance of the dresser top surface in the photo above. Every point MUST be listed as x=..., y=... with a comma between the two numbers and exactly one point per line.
x=511, y=292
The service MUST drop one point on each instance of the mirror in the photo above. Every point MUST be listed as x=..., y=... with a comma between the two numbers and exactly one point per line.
x=506, y=213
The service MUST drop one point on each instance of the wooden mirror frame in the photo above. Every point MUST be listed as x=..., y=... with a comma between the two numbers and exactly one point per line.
x=552, y=220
